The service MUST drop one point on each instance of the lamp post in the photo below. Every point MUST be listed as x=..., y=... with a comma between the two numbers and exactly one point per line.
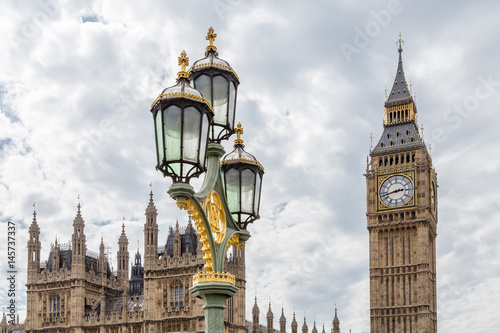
x=190, y=124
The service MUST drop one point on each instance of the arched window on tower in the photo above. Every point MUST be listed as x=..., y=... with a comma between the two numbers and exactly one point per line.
x=55, y=307
x=177, y=295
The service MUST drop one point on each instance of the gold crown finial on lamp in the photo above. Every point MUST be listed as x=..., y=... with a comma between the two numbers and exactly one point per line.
x=183, y=62
x=211, y=37
x=239, y=131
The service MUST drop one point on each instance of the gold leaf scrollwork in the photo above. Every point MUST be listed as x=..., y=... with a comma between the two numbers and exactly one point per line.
x=191, y=209
x=235, y=240
x=214, y=210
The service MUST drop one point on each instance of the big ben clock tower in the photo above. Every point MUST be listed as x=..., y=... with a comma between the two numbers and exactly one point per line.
x=401, y=194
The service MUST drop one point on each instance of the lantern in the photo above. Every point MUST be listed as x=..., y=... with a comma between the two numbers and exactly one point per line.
x=182, y=118
x=242, y=179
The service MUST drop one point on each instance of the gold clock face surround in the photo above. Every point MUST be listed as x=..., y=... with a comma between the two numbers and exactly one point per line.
x=396, y=191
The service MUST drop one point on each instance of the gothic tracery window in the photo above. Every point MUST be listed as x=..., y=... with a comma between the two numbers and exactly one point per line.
x=55, y=307
x=177, y=295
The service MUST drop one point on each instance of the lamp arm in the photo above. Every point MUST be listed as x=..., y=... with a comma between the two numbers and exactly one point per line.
x=214, y=153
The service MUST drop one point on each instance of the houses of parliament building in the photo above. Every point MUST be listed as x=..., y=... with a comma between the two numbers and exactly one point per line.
x=76, y=291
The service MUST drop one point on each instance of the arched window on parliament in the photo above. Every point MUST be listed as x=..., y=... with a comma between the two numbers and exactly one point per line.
x=55, y=306
x=177, y=295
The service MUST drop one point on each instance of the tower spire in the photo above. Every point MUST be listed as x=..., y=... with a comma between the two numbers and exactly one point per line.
x=400, y=43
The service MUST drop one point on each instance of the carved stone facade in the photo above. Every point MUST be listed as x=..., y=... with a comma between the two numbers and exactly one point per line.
x=76, y=291
x=401, y=194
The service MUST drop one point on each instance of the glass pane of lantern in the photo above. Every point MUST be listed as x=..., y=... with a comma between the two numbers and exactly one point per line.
x=203, y=142
x=247, y=190
x=233, y=189
x=159, y=137
x=257, y=194
x=172, y=132
x=220, y=89
x=202, y=84
x=191, y=133
x=231, y=111
x=176, y=168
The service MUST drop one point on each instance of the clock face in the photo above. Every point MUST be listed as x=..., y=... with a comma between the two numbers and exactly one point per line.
x=396, y=191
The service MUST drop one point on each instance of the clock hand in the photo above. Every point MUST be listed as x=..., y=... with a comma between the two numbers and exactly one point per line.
x=395, y=191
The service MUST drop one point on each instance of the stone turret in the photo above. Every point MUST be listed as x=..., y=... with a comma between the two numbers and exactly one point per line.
x=255, y=317
x=122, y=258
x=294, y=325
x=282, y=321
x=78, y=245
x=270, y=318
x=34, y=248
x=150, y=234
x=335, y=323
x=305, y=329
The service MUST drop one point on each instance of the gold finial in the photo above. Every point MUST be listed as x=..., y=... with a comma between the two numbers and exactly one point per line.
x=400, y=43
x=239, y=131
x=211, y=37
x=183, y=62
x=430, y=149
x=371, y=141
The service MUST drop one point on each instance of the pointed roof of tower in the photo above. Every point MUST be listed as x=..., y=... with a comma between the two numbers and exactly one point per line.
x=304, y=326
x=123, y=236
x=314, y=330
x=255, y=306
x=34, y=225
x=189, y=228
x=151, y=209
x=294, y=321
x=282, y=317
x=403, y=133
x=78, y=219
x=269, y=312
x=335, y=319
x=399, y=92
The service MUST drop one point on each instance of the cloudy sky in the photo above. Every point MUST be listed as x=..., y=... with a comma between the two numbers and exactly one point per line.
x=77, y=79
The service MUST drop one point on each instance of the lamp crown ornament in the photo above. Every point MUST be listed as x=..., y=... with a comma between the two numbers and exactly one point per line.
x=211, y=37
x=239, y=131
x=183, y=62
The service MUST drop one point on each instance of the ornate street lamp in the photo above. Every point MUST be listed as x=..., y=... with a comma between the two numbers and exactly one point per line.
x=242, y=180
x=183, y=118
x=218, y=83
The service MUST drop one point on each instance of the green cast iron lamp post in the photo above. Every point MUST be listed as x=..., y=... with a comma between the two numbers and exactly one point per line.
x=190, y=124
